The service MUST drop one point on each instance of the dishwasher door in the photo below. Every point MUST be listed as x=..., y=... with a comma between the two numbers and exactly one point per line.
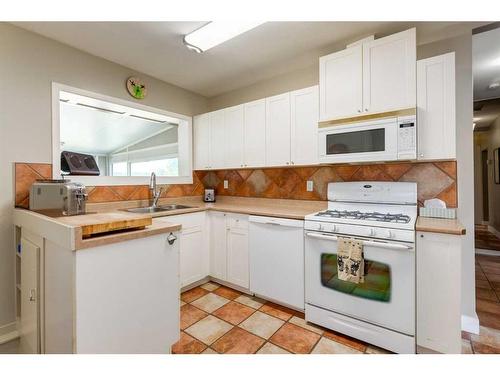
x=276, y=248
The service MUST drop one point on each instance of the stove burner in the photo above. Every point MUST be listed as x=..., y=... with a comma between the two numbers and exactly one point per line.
x=373, y=216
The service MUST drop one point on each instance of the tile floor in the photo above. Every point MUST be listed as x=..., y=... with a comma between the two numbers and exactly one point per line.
x=219, y=320
x=484, y=239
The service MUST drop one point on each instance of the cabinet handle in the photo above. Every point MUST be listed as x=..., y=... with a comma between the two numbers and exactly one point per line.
x=359, y=110
x=421, y=236
x=421, y=154
x=366, y=109
x=287, y=163
x=171, y=239
x=32, y=295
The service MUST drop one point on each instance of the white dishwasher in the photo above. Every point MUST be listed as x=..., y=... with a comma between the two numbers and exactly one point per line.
x=276, y=248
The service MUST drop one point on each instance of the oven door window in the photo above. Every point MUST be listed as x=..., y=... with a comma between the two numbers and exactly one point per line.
x=377, y=284
x=372, y=140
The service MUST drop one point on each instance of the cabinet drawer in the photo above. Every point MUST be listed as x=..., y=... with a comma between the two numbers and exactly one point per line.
x=187, y=221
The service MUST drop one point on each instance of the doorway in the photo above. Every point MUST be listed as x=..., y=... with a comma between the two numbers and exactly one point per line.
x=484, y=177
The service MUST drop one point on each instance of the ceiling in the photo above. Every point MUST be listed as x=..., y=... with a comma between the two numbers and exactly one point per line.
x=100, y=133
x=486, y=63
x=274, y=48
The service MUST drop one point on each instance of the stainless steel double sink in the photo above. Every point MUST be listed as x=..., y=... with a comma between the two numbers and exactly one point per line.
x=150, y=210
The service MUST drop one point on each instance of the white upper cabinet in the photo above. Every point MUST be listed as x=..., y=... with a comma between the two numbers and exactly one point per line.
x=436, y=107
x=201, y=140
x=255, y=134
x=341, y=85
x=389, y=72
x=304, y=126
x=370, y=77
x=218, y=142
x=234, y=119
x=278, y=130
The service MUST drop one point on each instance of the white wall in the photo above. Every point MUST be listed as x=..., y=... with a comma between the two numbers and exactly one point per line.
x=28, y=65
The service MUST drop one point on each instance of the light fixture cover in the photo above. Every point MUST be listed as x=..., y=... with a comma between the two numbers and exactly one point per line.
x=217, y=32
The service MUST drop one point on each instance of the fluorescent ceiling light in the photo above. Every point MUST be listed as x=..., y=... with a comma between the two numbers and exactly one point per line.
x=217, y=32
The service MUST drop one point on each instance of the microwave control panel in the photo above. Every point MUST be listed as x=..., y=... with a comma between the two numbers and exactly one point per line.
x=407, y=137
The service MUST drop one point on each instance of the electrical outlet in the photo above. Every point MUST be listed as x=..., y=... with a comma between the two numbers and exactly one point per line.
x=226, y=184
x=309, y=186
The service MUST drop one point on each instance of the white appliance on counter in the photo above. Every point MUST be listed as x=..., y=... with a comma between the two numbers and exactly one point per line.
x=380, y=310
x=276, y=249
x=384, y=139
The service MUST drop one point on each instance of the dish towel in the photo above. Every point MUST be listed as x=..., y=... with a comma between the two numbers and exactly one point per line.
x=350, y=260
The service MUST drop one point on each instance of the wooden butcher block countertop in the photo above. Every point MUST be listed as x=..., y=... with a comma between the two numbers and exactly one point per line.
x=435, y=225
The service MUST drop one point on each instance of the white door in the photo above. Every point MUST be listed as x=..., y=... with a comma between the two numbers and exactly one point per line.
x=218, y=144
x=304, y=106
x=278, y=130
x=234, y=119
x=341, y=85
x=436, y=107
x=30, y=267
x=255, y=133
x=386, y=298
x=201, y=130
x=218, y=239
x=191, y=257
x=389, y=72
x=237, y=257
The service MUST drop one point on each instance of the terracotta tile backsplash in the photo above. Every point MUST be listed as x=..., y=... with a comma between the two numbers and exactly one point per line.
x=435, y=180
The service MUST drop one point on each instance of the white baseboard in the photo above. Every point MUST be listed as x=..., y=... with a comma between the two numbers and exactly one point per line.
x=494, y=253
x=494, y=231
x=470, y=324
x=8, y=332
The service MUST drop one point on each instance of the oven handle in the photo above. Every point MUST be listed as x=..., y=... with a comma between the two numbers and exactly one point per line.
x=383, y=245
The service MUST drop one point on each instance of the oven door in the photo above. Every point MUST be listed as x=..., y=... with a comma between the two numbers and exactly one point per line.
x=386, y=297
x=366, y=141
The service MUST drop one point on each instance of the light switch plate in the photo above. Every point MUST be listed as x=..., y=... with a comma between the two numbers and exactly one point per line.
x=226, y=184
x=309, y=186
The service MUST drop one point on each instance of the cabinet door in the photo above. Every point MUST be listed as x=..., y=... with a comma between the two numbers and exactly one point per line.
x=389, y=72
x=237, y=257
x=217, y=140
x=218, y=238
x=255, y=133
x=201, y=130
x=304, y=126
x=436, y=107
x=341, y=85
x=191, y=259
x=438, y=292
x=234, y=119
x=30, y=267
x=278, y=130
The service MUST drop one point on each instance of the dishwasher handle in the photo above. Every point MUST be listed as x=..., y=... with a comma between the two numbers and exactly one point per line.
x=268, y=220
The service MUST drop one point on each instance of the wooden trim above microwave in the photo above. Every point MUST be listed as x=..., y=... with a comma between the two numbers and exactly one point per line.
x=371, y=116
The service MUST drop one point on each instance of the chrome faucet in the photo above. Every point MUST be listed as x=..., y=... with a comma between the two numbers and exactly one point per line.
x=155, y=192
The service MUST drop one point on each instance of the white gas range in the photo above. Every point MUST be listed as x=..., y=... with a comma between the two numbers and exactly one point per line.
x=380, y=310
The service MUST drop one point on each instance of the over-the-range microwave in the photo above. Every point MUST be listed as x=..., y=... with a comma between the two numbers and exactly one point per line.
x=383, y=139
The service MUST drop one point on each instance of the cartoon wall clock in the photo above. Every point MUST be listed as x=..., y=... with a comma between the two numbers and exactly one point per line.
x=136, y=88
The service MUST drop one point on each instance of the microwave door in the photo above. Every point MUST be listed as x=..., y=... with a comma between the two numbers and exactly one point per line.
x=353, y=143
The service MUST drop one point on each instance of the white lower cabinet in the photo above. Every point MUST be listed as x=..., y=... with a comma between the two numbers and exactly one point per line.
x=194, y=256
x=438, y=292
x=229, y=248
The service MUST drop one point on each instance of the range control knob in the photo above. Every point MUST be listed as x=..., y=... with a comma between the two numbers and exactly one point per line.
x=389, y=234
x=334, y=228
x=371, y=232
x=320, y=227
